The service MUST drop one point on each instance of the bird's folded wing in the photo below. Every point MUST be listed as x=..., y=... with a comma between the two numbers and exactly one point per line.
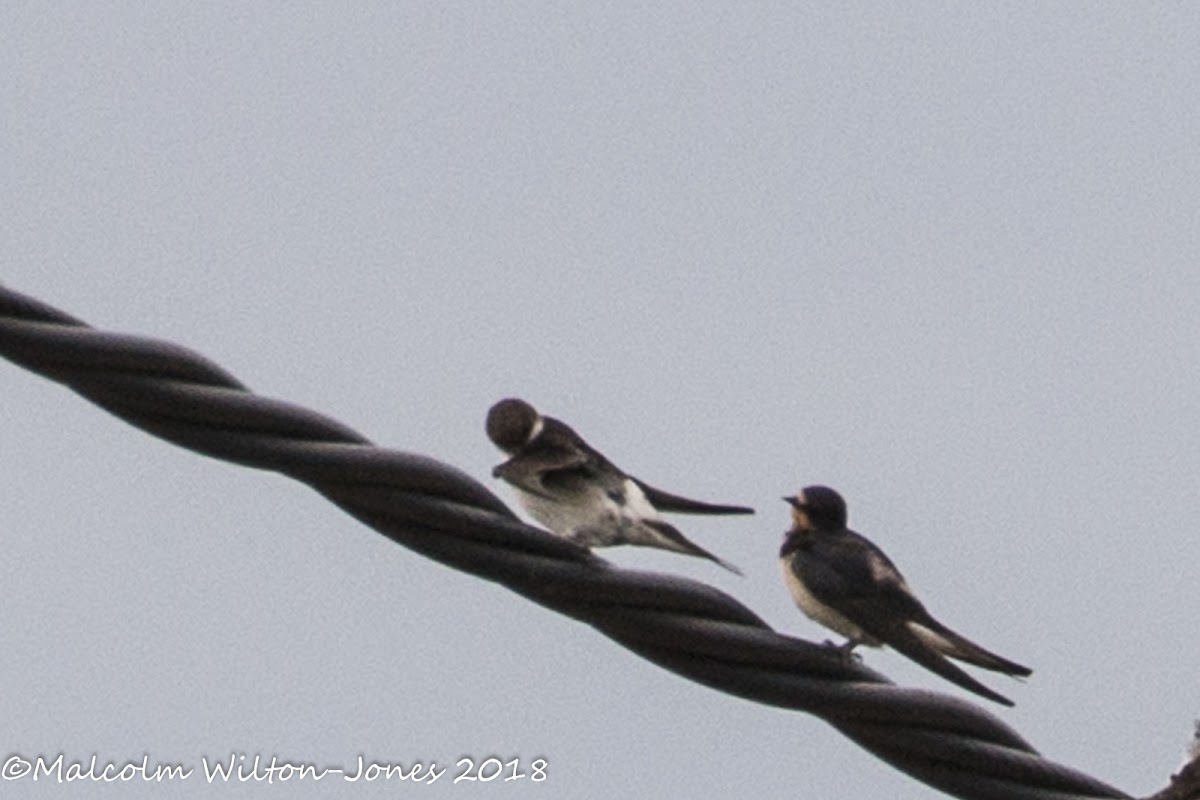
x=532, y=473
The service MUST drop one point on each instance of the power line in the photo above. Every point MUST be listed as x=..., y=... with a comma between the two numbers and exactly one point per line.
x=439, y=511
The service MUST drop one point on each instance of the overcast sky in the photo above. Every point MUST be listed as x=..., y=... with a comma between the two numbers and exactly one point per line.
x=940, y=258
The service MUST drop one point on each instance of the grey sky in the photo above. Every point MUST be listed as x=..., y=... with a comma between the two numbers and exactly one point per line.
x=943, y=259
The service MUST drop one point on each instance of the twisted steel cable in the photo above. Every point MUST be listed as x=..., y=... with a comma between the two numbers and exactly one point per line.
x=680, y=624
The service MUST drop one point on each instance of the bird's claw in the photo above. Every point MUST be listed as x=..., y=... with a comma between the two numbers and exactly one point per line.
x=845, y=650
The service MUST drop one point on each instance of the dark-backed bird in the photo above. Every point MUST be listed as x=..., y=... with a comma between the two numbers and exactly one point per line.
x=577, y=493
x=843, y=581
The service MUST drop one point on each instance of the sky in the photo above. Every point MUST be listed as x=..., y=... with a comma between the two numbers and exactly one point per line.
x=938, y=256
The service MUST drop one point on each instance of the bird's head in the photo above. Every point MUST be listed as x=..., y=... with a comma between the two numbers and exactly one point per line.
x=817, y=508
x=512, y=423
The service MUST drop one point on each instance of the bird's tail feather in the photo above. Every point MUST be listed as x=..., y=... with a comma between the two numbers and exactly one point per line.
x=668, y=537
x=954, y=645
x=904, y=640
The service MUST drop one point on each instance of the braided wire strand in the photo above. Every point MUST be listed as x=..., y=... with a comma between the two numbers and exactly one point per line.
x=682, y=625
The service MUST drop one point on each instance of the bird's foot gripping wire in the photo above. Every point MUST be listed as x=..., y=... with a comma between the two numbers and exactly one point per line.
x=845, y=650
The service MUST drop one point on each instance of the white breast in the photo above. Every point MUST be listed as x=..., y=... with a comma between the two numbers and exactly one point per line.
x=816, y=610
x=590, y=517
x=559, y=516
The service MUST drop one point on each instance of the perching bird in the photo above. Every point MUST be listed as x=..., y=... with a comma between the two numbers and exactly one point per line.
x=579, y=494
x=843, y=581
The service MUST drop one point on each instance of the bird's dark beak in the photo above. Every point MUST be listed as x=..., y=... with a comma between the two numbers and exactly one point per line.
x=793, y=502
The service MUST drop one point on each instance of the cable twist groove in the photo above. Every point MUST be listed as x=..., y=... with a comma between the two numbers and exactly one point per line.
x=680, y=624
